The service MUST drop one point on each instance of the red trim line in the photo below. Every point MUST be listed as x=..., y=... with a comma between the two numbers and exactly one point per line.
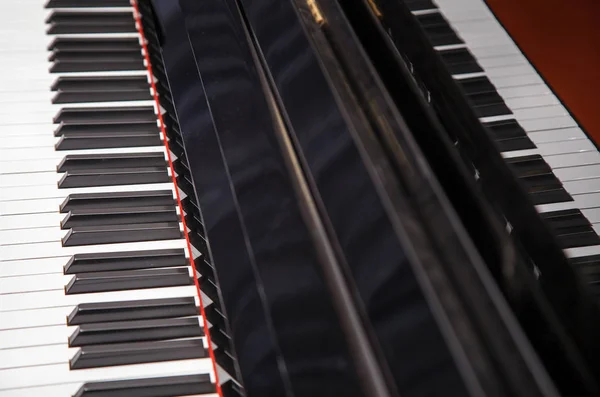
x=189, y=247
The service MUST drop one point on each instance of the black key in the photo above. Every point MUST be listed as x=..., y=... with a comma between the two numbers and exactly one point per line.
x=420, y=5
x=438, y=29
x=508, y=145
x=133, y=260
x=152, y=387
x=104, y=65
x=476, y=85
x=460, y=61
x=86, y=3
x=69, y=22
x=100, y=89
x=89, y=141
x=73, y=129
x=231, y=389
x=117, y=200
x=87, y=313
x=96, y=56
x=119, y=216
x=498, y=108
x=571, y=228
x=113, y=177
x=529, y=165
x=102, y=115
x=135, y=331
x=75, y=162
x=103, y=83
x=545, y=189
x=137, y=353
x=538, y=179
x=128, y=280
x=509, y=135
x=89, y=44
x=115, y=234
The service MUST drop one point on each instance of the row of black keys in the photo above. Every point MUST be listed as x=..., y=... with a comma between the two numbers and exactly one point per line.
x=570, y=226
x=144, y=336
x=120, y=333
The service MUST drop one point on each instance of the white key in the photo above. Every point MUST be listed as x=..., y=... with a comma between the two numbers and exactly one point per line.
x=583, y=186
x=27, y=221
x=62, y=390
x=575, y=173
x=582, y=201
x=35, y=153
x=31, y=235
x=555, y=148
x=523, y=91
x=60, y=373
x=531, y=101
x=573, y=160
x=39, y=299
x=33, y=192
x=33, y=266
x=35, y=318
x=39, y=336
x=30, y=206
x=582, y=251
x=52, y=316
x=548, y=123
x=559, y=135
x=33, y=283
x=24, y=110
x=51, y=249
x=29, y=356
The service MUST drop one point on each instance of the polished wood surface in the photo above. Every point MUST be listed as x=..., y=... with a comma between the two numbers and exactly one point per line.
x=561, y=38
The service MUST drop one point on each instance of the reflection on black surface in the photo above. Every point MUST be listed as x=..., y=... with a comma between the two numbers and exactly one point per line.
x=236, y=279
x=403, y=323
x=259, y=243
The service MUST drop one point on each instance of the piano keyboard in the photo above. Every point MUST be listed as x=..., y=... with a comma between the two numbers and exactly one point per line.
x=97, y=295
x=558, y=163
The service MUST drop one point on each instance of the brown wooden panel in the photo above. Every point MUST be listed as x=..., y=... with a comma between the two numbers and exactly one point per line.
x=562, y=39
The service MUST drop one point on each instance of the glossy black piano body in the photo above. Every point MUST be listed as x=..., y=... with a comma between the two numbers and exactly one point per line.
x=273, y=107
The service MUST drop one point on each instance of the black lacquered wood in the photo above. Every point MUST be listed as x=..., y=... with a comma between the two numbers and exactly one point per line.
x=101, y=115
x=82, y=141
x=155, y=387
x=132, y=260
x=89, y=44
x=572, y=228
x=122, y=63
x=110, y=129
x=460, y=61
x=78, y=162
x=136, y=353
x=119, y=216
x=117, y=200
x=135, y=331
x=89, y=313
x=128, y=280
x=113, y=177
x=72, y=22
x=113, y=234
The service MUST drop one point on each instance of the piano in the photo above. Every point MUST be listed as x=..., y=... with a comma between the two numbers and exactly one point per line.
x=289, y=198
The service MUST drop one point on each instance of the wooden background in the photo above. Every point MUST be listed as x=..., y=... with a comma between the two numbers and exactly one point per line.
x=561, y=38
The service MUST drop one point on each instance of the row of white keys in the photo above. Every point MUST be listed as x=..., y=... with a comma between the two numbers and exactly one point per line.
x=572, y=156
x=33, y=307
